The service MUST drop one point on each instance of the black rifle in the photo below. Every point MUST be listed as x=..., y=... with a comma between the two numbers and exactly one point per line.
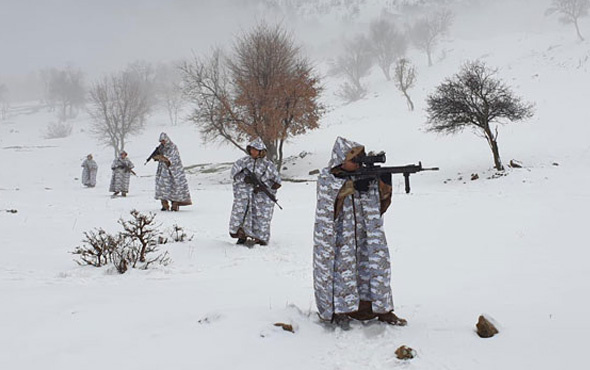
x=260, y=186
x=368, y=169
x=157, y=151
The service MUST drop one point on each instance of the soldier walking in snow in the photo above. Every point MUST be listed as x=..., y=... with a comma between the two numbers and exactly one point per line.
x=171, y=184
x=351, y=266
x=122, y=169
x=89, y=169
x=252, y=209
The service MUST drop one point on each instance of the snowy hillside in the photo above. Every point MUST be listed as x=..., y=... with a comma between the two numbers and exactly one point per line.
x=513, y=247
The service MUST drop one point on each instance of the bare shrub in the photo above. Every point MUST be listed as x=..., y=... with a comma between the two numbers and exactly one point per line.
x=135, y=247
x=58, y=130
x=97, y=249
x=178, y=235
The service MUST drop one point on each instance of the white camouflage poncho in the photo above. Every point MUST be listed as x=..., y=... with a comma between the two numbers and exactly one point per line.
x=350, y=257
x=252, y=211
x=121, y=173
x=89, y=169
x=171, y=184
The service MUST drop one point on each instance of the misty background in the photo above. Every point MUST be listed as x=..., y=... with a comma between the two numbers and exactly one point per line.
x=100, y=37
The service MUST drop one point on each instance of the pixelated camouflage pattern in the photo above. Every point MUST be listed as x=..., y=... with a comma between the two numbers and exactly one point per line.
x=252, y=212
x=171, y=183
x=121, y=174
x=351, y=258
x=89, y=169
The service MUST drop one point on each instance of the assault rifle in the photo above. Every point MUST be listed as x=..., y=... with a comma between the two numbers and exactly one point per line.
x=157, y=151
x=368, y=169
x=260, y=186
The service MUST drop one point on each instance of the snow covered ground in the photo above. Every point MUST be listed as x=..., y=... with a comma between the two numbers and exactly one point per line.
x=513, y=247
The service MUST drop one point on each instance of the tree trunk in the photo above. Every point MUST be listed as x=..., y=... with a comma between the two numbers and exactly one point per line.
x=410, y=103
x=578, y=30
x=493, y=143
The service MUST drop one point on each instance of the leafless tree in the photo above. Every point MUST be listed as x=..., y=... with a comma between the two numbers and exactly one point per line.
x=169, y=90
x=571, y=11
x=64, y=91
x=427, y=31
x=405, y=78
x=118, y=106
x=388, y=44
x=474, y=98
x=354, y=64
x=265, y=88
x=4, y=101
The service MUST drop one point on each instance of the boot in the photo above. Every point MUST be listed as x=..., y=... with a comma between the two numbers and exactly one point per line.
x=175, y=206
x=165, y=205
x=391, y=319
x=241, y=241
x=260, y=242
x=123, y=194
x=365, y=312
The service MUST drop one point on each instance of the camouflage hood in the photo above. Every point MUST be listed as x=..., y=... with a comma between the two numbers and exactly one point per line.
x=344, y=149
x=257, y=144
x=164, y=136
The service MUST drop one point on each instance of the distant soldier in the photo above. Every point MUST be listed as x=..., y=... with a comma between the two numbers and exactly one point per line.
x=89, y=169
x=252, y=209
x=171, y=184
x=122, y=169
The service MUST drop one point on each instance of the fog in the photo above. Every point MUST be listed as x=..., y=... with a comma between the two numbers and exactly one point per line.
x=99, y=37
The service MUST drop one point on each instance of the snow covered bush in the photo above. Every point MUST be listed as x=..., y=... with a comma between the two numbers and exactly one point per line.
x=58, y=130
x=98, y=248
x=136, y=246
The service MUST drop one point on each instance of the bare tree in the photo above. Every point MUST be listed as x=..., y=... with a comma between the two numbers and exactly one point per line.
x=387, y=44
x=4, y=101
x=64, y=90
x=427, y=31
x=265, y=89
x=405, y=78
x=571, y=11
x=354, y=64
x=118, y=106
x=475, y=98
x=169, y=90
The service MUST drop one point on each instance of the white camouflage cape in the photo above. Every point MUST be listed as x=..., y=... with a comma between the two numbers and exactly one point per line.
x=121, y=173
x=89, y=169
x=171, y=181
x=252, y=212
x=350, y=256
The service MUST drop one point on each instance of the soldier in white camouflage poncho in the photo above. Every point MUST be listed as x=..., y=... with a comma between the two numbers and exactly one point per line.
x=122, y=168
x=252, y=210
x=89, y=169
x=171, y=184
x=351, y=266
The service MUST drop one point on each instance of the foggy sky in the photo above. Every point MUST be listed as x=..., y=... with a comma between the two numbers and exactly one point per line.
x=101, y=35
